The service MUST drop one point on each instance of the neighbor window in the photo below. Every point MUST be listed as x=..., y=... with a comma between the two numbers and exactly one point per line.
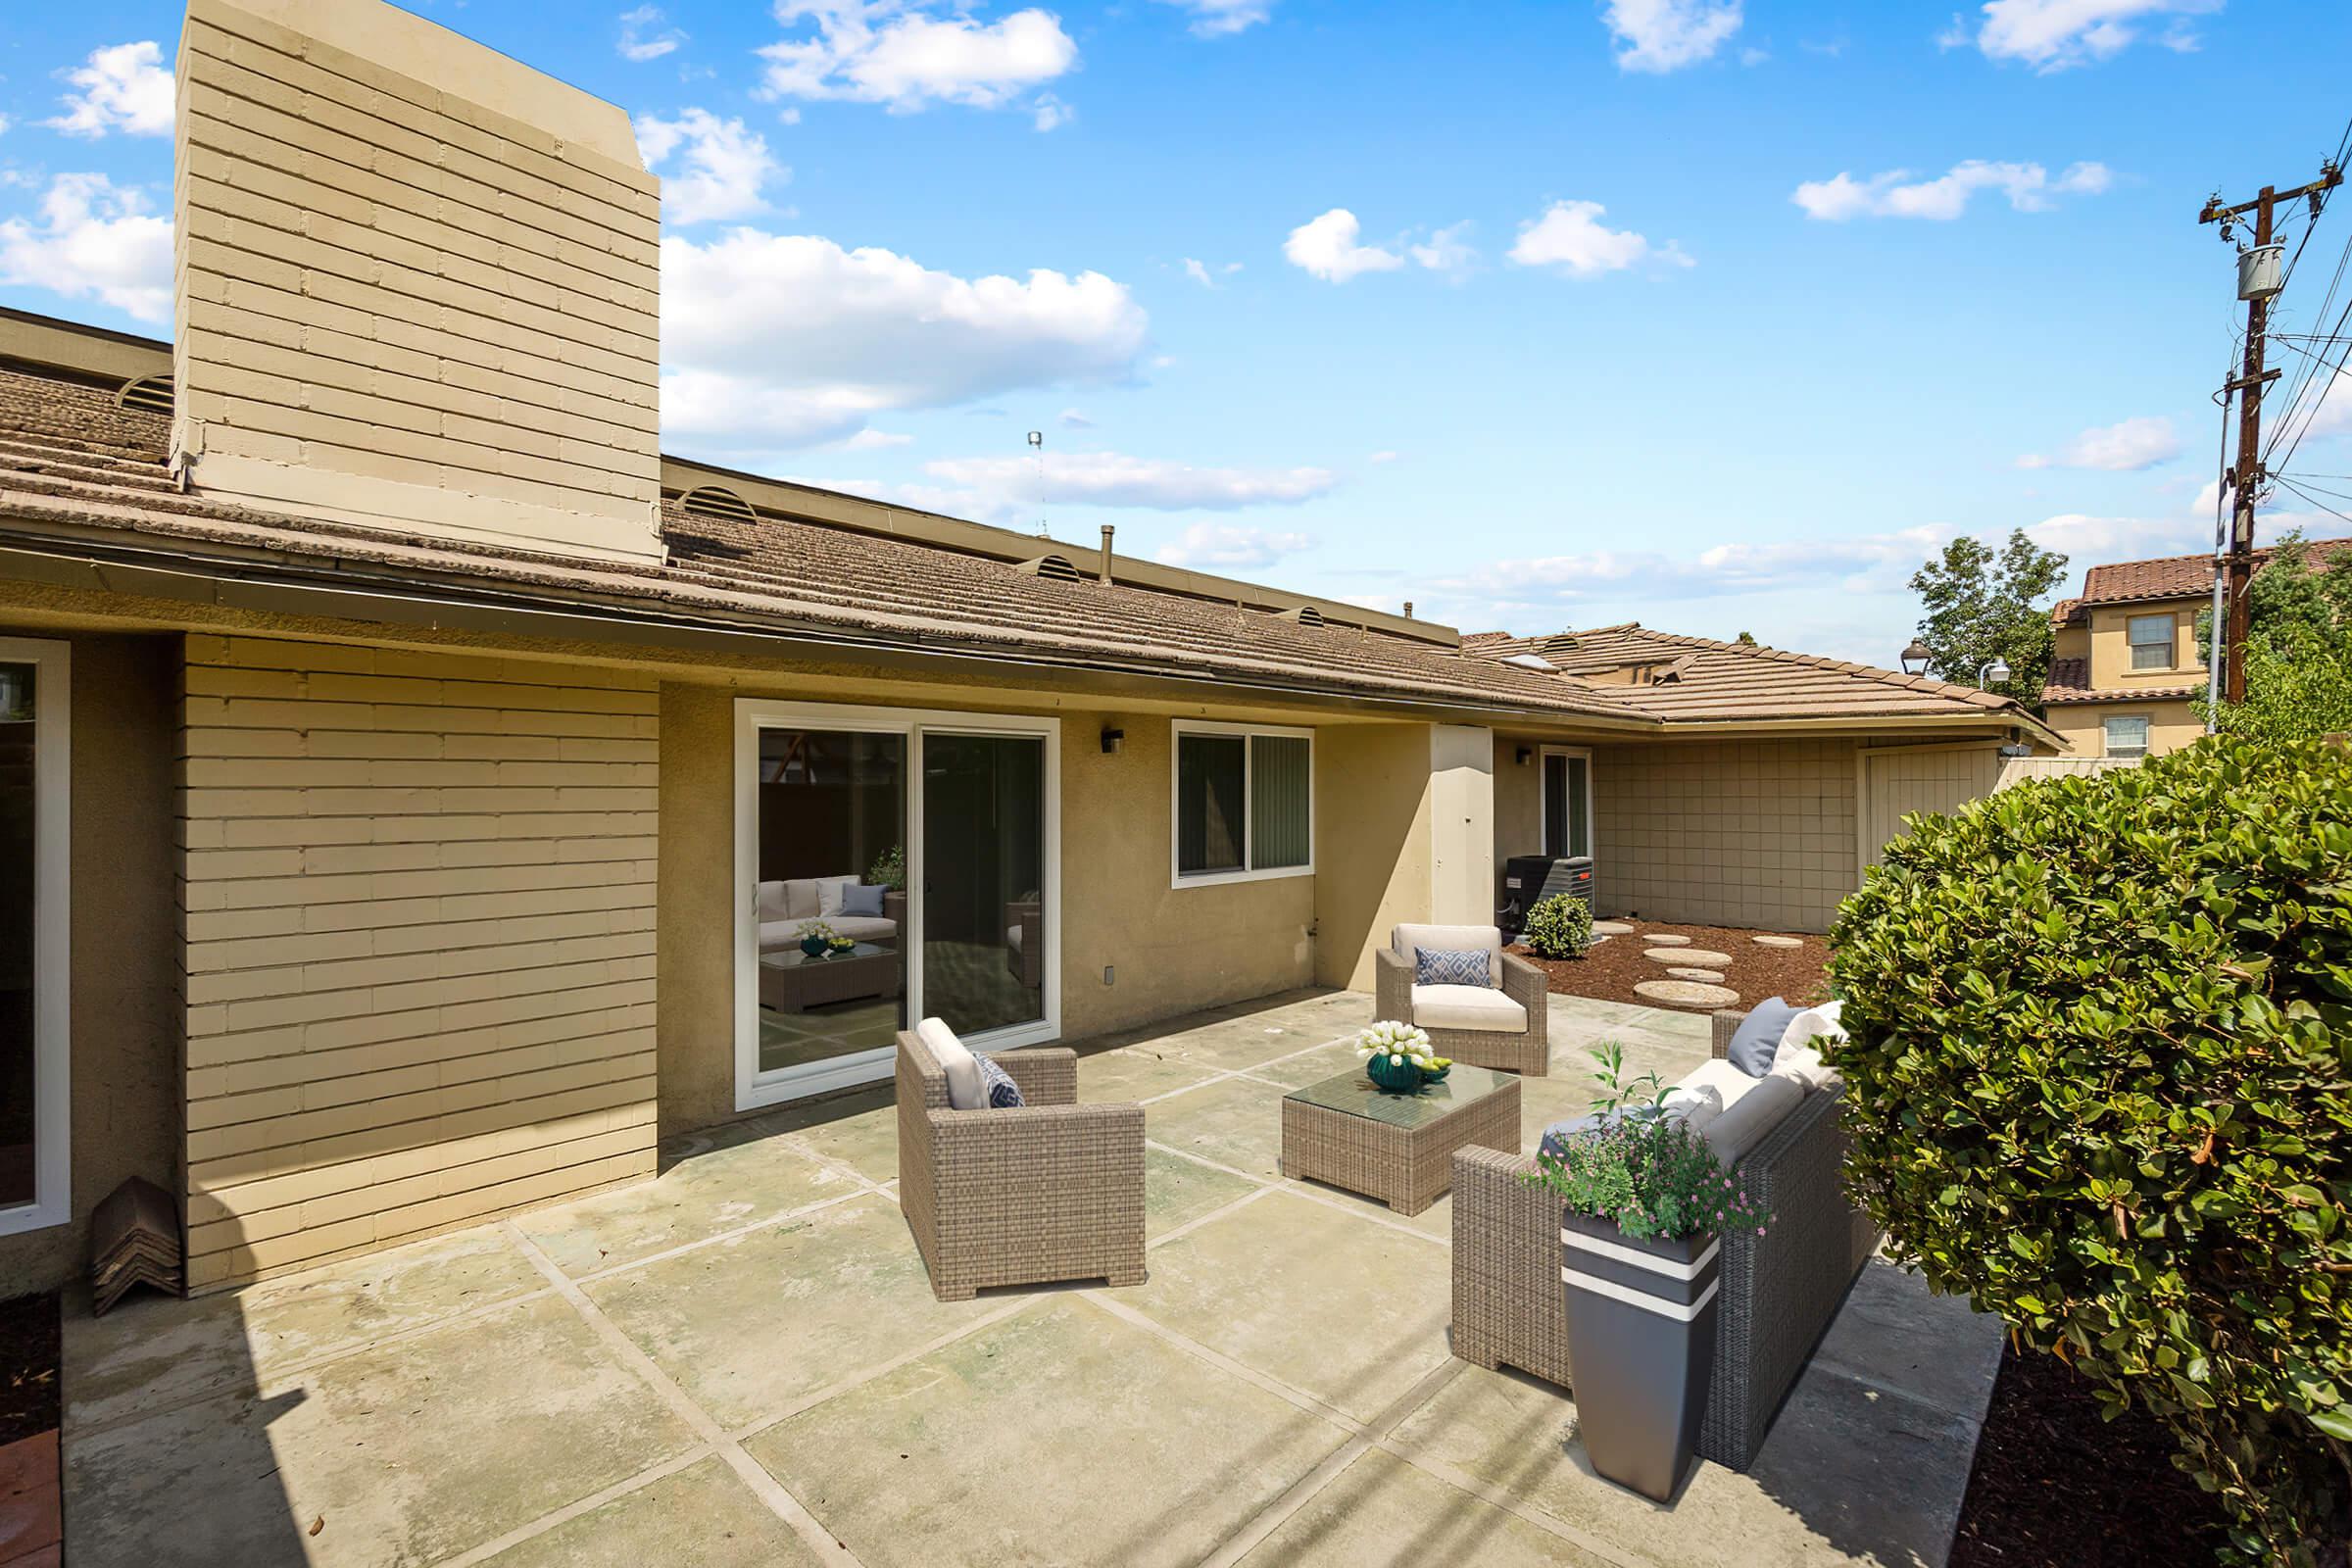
x=2126, y=736
x=2152, y=638
x=34, y=685
x=1244, y=803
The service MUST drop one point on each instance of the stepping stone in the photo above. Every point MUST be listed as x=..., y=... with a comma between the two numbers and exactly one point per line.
x=1704, y=955
x=1687, y=993
x=1705, y=976
x=1613, y=928
x=1663, y=941
x=1780, y=942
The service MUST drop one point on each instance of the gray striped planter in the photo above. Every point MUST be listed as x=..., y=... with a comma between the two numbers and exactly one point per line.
x=1642, y=1339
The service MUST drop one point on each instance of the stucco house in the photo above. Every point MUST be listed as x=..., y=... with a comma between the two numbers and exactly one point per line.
x=422, y=787
x=2126, y=660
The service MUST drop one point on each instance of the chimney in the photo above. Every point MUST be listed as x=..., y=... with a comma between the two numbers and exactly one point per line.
x=417, y=283
x=1104, y=577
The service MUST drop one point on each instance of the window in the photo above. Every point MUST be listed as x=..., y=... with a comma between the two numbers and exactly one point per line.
x=1243, y=804
x=1567, y=802
x=33, y=787
x=2126, y=735
x=2152, y=638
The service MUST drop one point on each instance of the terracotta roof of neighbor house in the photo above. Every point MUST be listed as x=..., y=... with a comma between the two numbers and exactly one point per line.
x=2069, y=682
x=72, y=457
x=1727, y=681
x=2165, y=577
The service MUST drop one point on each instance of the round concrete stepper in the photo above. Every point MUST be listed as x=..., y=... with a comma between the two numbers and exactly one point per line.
x=1706, y=976
x=1612, y=928
x=1662, y=940
x=1706, y=955
x=1780, y=942
x=1687, y=993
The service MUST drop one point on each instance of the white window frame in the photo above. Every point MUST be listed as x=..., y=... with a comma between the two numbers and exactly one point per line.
x=1592, y=823
x=2107, y=743
x=2171, y=643
x=1179, y=878
x=52, y=970
x=754, y=1088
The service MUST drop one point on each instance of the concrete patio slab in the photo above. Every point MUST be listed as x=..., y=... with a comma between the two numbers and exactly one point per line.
x=1383, y=1514
x=750, y=1324
x=1234, y=1122
x=1136, y=1074
x=406, y=1454
x=700, y=1517
x=859, y=1131
x=1178, y=1191
x=1310, y=1066
x=1128, y=1449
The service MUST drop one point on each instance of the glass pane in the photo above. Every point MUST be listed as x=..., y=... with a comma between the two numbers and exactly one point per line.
x=984, y=872
x=1353, y=1093
x=17, y=1100
x=1280, y=810
x=1556, y=804
x=1580, y=805
x=1208, y=802
x=2126, y=737
x=832, y=855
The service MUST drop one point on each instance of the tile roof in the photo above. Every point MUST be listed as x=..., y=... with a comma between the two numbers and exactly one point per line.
x=2164, y=578
x=1725, y=681
x=2069, y=682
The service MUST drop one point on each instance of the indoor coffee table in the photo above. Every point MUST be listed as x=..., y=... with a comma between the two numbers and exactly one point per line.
x=1396, y=1147
x=791, y=981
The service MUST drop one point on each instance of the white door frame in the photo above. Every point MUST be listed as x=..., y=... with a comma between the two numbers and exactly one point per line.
x=753, y=1087
x=52, y=927
x=1543, y=795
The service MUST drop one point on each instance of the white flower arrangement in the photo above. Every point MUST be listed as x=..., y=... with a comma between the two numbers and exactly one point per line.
x=1400, y=1042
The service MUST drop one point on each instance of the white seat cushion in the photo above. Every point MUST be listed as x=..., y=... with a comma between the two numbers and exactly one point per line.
x=1452, y=939
x=1742, y=1127
x=856, y=927
x=966, y=1090
x=1468, y=1007
x=1721, y=1076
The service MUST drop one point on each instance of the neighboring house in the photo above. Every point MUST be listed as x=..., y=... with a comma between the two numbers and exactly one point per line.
x=2126, y=660
x=422, y=786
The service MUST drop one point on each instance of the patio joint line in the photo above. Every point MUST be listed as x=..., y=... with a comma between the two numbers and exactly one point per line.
x=781, y=1216
x=1264, y=1381
x=1500, y=1497
x=1298, y=1189
x=857, y=1380
x=766, y=1487
x=573, y=1511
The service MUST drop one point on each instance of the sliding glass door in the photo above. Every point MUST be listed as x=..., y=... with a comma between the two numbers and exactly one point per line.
x=890, y=864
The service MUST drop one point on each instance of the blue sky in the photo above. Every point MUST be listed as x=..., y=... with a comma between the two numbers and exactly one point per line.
x=1718, y=315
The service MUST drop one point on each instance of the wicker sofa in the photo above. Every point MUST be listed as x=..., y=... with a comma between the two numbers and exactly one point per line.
x=1778, y=1289
x=1525, y=1050
x=1049, y=1190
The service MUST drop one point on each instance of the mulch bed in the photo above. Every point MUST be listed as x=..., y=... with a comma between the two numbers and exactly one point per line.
x=28, y=1356
x=2055, y=1487
x=1610, y=970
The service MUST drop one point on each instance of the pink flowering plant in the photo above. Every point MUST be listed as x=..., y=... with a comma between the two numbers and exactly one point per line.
x=1642, y=1168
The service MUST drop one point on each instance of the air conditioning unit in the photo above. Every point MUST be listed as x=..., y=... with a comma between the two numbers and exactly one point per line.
x=1528, y=879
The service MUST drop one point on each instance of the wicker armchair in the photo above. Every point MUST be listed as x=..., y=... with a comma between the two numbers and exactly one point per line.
x=1528, y=1053
x=1778, y=1289
x=1051, y=1191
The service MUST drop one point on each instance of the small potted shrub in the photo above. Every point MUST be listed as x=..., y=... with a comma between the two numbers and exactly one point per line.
x=1558, y=927
x=1644, y=1203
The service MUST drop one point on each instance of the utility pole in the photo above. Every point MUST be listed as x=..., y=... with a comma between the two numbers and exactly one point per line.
x=2256, y=287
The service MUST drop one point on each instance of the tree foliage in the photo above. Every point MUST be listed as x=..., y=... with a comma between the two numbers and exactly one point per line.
x=2298, y=650
x=2100, y=1080
x=1978, y=604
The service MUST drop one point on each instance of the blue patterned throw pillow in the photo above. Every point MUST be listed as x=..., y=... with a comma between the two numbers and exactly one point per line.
x=1002, y=1093
x=1443, y=967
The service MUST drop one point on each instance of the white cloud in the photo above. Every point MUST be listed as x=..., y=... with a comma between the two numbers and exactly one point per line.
x=94, y=239
x=1051, y=112
x=2029, y=188
x=1218, y=19
x=1115, y=479
x=727, y=166
x=642, y=37
x=123, y=87
x=1668, y=34
x=1570, y=236
x=872, y=440
x=1446, y=251
x=5, y=123
x=1382, y=457
x=1327, y=247
x=2056, y=34
x=1224, y=546
x=2122, y=448
x=1076, y=420
x=780, y=340
x=902, y=54
x=1197, y=271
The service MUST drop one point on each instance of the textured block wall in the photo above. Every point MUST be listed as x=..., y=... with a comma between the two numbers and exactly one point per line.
x=419, y=895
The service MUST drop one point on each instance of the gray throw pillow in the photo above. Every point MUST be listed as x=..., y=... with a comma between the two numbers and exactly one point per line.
x=857, y=898
x=1759, y=1036
x=1446, y=966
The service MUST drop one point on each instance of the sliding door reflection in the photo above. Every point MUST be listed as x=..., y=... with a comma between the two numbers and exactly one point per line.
x=984, y=952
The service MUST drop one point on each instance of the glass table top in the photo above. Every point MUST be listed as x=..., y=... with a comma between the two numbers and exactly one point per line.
x=1354, y=1095
x=793, y=957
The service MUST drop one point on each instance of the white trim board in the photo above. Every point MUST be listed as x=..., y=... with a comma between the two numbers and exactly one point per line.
x=52, y=934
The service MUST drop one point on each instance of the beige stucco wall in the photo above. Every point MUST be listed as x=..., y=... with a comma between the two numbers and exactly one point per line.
x=2173, y=724
x=2104, y=638
x=124, y=1056
x=2110, y=649
x=420, y=897
x=1373, y=814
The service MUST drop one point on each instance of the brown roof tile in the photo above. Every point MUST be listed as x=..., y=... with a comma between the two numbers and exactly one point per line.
x=2070, y=683
x=2164, y=578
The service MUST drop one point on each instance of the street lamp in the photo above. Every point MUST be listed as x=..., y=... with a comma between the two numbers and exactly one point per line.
x=1915, y=657
x=1995, y=674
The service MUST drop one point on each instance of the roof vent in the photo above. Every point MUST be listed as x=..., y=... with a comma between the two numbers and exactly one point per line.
x=149, y=394
x=1536, y=661
x=1305, y=616
x=717, y=502
x=1558, y=643
x=1055, y=567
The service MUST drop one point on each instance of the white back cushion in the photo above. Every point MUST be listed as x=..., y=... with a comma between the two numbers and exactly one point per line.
x=799, y=898
x=772, y=901
x=828, y=895
x=1742, y=1127
x=965, y=1091
x=1451, y=938
x=1797, y=1056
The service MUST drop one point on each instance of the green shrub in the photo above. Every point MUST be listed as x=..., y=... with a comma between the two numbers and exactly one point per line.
x=1558, y=927
x=2102, y=1038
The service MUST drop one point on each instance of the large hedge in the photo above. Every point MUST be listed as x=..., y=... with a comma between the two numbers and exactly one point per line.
x=2101, y=1081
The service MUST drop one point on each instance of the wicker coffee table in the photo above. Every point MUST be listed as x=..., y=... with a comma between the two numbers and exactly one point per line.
x=790, y=981
x=1396, y=1147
